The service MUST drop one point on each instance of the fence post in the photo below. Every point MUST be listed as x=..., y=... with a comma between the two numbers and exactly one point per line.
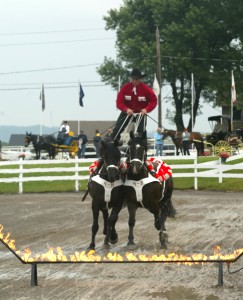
x=76, y=174
x=220, y=171
x=195, y=174
x=20, y=175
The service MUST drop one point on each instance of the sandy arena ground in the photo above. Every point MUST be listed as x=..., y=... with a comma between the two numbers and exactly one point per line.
x=39, y=221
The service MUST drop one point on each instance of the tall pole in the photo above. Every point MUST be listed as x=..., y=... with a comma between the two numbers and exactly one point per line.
x=192, y=98
x=159, y=77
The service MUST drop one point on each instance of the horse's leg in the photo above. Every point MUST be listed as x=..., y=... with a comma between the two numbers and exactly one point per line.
x=111, y=235
x=166, y=205
x=132, y=207
x=95, y=226
x=105, y=218
x=159, y=222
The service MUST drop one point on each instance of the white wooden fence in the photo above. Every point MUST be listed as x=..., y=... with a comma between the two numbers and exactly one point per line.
x=214, y=170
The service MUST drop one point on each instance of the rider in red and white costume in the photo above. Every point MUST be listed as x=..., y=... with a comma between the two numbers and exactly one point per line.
x=134, y=97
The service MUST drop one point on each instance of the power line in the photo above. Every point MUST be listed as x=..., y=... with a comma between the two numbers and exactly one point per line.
x=51, y=87
x=55, y=42
x=49, y=69
x=97, y=64
x=46, y=83
x=201, y=58
x=51, y=31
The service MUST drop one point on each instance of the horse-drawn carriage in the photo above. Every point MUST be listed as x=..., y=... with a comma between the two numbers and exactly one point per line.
x=54, y=147
x=67, y=146
x=222, y=138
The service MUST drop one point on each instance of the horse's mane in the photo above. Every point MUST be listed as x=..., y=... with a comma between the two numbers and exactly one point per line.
x=110, y=150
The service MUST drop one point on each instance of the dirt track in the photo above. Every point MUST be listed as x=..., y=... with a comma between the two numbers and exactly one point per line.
x=39, y=221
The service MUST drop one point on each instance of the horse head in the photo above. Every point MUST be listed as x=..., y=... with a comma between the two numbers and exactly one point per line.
x=27, y=139
x=111, y=156
x=137, y=151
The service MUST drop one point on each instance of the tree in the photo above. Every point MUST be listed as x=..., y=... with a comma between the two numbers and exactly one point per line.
x=200, y=37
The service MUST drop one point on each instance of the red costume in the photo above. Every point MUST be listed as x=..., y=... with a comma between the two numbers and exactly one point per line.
x=162, y=172
x=136, y=98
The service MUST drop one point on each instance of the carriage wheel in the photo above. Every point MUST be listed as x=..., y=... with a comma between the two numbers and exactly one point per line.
x=222, y=146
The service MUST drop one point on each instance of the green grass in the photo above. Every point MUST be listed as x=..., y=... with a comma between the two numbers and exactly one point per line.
x=69, y=185
x=210, y=184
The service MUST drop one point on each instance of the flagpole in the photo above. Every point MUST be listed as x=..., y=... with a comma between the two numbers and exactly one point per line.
x=41, y=122
x=192, y=96
x=159, y=77
x=119, y=83
x=42, y=98
x=231, y=102
x=81, y=95
x=78, y=117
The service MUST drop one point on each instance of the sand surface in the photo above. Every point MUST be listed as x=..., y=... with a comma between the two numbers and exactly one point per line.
x=39, y=221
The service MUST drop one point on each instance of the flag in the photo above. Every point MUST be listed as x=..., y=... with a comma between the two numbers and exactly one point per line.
x=233, y=91
x=156, y=87
x=42, y=97
x=81, y=95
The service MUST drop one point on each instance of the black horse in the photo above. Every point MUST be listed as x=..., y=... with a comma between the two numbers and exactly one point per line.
x=107, y=192
x=41, y=143
x=143, y=190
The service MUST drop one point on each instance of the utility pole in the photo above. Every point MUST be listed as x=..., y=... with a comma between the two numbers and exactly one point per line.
x=159, y=77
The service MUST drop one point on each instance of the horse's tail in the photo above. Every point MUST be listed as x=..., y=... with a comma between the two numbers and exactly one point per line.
x=85, y=195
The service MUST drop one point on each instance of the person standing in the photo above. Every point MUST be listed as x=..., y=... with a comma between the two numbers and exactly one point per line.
x=158, y=136
x=82, y=141
x=63, y=132
x=185, y=141
x=97, y=142
x=108, y=136
x=134, y=97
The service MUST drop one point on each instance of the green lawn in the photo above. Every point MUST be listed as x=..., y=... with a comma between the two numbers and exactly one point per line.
x=69, y=185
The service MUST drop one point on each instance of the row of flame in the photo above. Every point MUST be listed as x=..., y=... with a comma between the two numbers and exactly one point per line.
x=57, y=255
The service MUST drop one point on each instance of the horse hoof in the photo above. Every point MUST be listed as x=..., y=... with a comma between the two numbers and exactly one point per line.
x=114, y=239
x=131, y=246
x=163, y=246
x=91, y=247
x=172, y=213
x=106, y=246
x=163, y=237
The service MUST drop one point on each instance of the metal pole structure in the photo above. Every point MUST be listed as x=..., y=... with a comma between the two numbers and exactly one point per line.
x=159, y=77
x=220, y=275
x=34, y=279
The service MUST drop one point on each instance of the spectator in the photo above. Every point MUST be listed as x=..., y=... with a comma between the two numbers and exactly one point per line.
x=97, y=142
x=63, y=132
x=108, y=136
x=82, y=141
x=185, y=141
x=158, y=136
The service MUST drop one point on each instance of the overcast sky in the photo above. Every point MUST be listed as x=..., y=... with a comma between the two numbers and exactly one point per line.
x=67, y=36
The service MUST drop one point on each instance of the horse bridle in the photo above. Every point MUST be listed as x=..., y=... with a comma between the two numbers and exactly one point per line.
x=137, y=160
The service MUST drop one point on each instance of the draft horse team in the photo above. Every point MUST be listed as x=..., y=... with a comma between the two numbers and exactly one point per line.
x=118, y=183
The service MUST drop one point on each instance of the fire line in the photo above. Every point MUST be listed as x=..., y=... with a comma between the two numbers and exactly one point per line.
x=57, y=256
